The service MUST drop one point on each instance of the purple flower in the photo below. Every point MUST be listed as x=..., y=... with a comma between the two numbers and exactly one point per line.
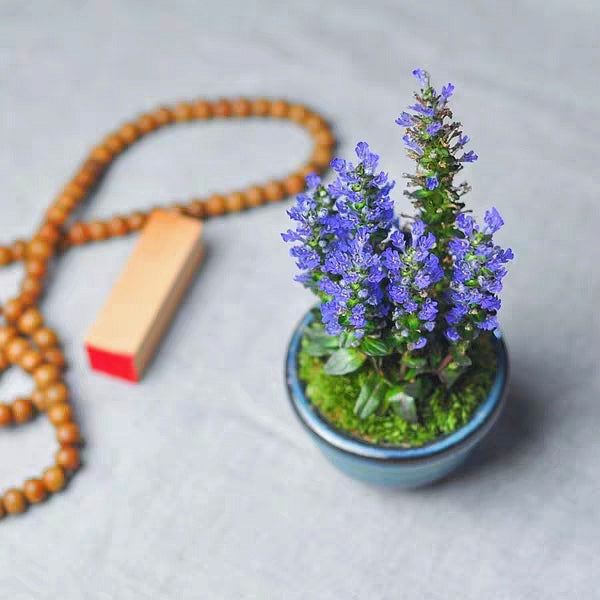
x=493, y=221
x=479, y=267
x=422, y=77
x=368, y=159
x=466, y=224
x=424, y=110
x=447, y=91
x=412, y=145
x=412, y=272
x=463, y=140
x=420, y=343
x=452, y=334
x=429, y=310
x=469, y=156
x=313, y=181
x=405, y=120
x=433, y=128
x=432, y=182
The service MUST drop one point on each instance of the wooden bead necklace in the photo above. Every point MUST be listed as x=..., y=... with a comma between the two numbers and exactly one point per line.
x=24, y=339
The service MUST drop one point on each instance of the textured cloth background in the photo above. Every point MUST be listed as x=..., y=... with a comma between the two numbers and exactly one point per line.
x=199, y=483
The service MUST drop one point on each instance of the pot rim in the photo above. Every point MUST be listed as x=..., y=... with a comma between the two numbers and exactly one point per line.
x=465, y=437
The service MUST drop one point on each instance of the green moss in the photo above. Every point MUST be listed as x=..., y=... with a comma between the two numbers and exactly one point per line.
x=439, y=414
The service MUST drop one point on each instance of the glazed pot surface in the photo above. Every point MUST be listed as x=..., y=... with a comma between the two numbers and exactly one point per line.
x=387, y=465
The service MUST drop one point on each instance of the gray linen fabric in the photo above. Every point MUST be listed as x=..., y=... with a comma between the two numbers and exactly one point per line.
x=198, y=482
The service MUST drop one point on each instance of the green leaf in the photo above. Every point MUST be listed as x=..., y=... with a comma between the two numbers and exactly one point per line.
x=462, y=360
x=403, y=403
x=318, y=343
x=345, y=339
x=317, y=349
x=375, y=347
x=370, y=397
x=414, y=362
x=450, y=373
x=344, y=360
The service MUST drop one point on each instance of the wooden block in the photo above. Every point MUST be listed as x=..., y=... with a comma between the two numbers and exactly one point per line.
x=146, y=295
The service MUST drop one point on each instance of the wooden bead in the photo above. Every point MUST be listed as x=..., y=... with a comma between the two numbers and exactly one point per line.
x=38, y=397
x=19, y=249
x=4, y=364
x=314, y=123
x=75, y=190
x=147, y=123
x=183, y=112
x=297, y=113
x=241, y=107
x=67, y=457
x=15, y=348
x=101, y=154
x=55, y=357
x=136, y=221
x=32, y=288
x=325, y=138
x=31, y=320
x=36, y=267
x=215, y=205
x=60, y=413
x=54, y=479
x=6, y=255
x=85, y=179
x=23, y=410
x=35, y=491
x=68, y=434
x=6, y=415
x=234, y=202
x=7, y=333
x=164, y=116
x=306, y=170
x=57, y=215
x=45, y=375
x=39, y=248
x=261, y=107
x=67, y=202
x=78, y=234
x=274, y=191
x=30, y=360
x=117, y=226
x=56, y=393
x=49, y=232
x=293, y=185
x=280, y=109
x=45, y=337
x=114, y=143
x=255, y=196
x=98, y=230
x=129, y=133
x=222, y=108
x=197, y=209
x=322, y=156
x=14, y=501
x=202, y=109
x=13, y=309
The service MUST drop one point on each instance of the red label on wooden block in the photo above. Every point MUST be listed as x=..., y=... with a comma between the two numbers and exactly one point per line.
x=144, y=299
x=118, y=365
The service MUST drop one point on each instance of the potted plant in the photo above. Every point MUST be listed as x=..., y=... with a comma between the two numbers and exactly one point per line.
x=401, y=369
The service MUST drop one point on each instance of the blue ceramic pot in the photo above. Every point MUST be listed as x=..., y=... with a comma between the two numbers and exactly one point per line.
x=383, y=465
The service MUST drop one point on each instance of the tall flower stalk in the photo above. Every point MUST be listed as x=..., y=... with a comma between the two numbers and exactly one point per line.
x=403, y=303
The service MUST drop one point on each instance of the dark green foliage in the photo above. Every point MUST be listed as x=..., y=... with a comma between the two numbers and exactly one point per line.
x=365, y=405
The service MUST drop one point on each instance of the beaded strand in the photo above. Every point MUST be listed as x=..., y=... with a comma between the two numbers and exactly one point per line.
x=25, y=340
